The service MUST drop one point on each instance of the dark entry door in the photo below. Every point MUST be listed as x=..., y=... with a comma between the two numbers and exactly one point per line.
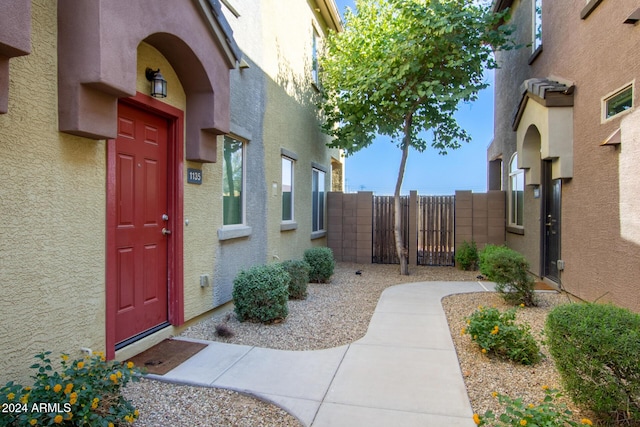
x=551, y=225
x=141, y=279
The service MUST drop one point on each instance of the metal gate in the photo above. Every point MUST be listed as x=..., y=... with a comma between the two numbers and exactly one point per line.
x=436, y=244
x=435, y=230
x=384, y=242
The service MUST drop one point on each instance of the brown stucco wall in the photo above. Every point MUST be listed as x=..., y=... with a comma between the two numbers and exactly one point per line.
x=599, y=55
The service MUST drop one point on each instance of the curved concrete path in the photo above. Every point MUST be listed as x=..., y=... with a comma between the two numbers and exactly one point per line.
x=404, y=371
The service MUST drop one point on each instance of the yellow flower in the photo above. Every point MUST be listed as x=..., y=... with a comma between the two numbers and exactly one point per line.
x=494, y=394
x=110, y=425
x=73, y=398
x=119, y=374
x=65, y=357
x=113, y=378
x=57, y=388
x=136, y=413
x=33, y=421
x=523, y=422
x=69, y=415
x=530, y=405
x=58, y=419
x=545, y=387
x=10, y=396
x=484, y=350
x=80, y=365
x=47, y=387
x=68, y=388
x=476, y=419
x=24, y=399
x=130, y=365
x=27, y=389
x=586, y=421
x=495, y=330
x=468, y=321
x=463, y=331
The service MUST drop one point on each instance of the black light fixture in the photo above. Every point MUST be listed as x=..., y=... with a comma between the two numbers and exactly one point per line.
x=158, y=83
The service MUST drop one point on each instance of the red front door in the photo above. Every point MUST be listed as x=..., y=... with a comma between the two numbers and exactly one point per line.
x=141, y=222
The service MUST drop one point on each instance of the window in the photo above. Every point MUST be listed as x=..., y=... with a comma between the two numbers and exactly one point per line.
x=287, y=189
x=314, y=59
x=537, y=25
x=620, y=101
x=516, y=193
x=233, y=181
x=317, y=204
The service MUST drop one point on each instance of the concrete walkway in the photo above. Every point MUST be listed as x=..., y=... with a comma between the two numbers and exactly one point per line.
x=404, y=371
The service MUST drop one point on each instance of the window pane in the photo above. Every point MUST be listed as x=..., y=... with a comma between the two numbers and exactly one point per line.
x=317, y=199
x=232, y=181
x=620, y=102
x=520, y=198
x=287, y=189
x=537, y=24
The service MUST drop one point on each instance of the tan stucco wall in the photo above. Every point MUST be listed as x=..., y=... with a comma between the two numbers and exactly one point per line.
x=52, y=199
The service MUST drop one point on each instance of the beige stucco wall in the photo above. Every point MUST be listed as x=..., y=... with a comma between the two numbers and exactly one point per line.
x=291, y=122
x=52, y=199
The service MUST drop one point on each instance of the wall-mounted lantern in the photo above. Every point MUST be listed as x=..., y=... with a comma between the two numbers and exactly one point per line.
x=158, y=83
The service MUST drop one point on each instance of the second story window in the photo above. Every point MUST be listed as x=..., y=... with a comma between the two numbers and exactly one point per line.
x=233, y=181
x=537, y=25
x=314, y=58
x=618, y=102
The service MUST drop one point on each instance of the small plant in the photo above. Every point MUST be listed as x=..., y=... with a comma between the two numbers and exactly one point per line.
x=467, y=256
x=261, y=293
x=85, y=393
x=545, y=414
x=595, y=348
x=223, y=330
x=496, y=332
x=510, y=271
x=321, y=261
x=299, y=273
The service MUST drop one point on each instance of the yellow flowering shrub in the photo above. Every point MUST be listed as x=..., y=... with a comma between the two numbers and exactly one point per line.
x=496, y=332
x=517, y=413
x=85, y=392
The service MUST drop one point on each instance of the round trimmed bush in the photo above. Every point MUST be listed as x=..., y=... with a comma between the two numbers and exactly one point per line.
x=299, y=278
x=509, y=269
x=320, y=259
x=261, y=293
x=596, y=348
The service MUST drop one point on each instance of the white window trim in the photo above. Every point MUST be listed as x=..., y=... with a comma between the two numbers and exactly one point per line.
x=517, y=172
x=244, y=183
x=609, y=96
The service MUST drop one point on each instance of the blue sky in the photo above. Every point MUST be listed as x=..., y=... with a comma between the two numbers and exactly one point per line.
x=376, y=167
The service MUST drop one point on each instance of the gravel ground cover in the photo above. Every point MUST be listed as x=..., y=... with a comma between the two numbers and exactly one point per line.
x=335, y=314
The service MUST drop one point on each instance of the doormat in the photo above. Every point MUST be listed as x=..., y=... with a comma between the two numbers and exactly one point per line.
x=541, y=286
x=166, y=355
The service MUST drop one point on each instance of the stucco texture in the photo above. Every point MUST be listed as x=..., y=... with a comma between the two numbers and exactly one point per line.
x=52, y=201
x=597, y=55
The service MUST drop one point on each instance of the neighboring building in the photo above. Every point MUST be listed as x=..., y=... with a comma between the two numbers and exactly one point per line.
x=565, y=148
x=126, y=216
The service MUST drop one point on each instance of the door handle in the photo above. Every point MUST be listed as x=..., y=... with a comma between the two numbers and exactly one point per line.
x=166, y=232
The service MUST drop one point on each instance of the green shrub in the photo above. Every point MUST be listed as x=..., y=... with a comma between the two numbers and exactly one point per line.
x=496, y=332
x=546, y=413
x=320, y=259
x=467, y=256
x=86, y=392
x=299, y=278
x=261, y=293
x=596, y=348
x=510, y=271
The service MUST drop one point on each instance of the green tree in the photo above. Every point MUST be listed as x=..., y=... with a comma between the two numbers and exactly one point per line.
x=401, y=67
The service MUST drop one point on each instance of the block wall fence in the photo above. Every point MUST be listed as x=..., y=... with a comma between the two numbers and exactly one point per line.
x=480, y=217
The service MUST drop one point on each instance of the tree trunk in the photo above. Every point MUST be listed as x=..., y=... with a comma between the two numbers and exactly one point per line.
x=397, y=208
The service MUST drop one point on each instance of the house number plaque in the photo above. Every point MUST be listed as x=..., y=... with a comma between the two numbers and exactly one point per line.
x=194, y=176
